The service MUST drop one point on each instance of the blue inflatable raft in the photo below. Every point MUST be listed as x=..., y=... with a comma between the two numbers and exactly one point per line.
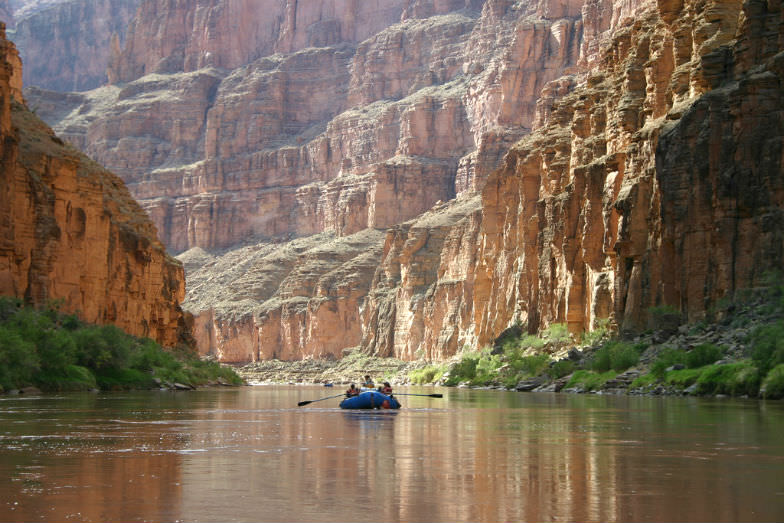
x=370, y=400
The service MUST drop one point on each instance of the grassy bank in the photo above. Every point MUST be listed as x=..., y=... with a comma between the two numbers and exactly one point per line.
x=739, y=353
x=58, y=352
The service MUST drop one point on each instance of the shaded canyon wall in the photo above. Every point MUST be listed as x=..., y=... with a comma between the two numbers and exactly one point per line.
x=70, y=231
x=66, y=45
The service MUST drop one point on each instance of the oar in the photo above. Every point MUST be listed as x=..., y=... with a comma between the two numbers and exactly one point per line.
x=301, y=403
x=426, y=395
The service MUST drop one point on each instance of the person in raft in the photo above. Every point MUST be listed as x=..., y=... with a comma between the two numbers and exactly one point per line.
x=352, y=391
x=386, y=389
x=368, y=383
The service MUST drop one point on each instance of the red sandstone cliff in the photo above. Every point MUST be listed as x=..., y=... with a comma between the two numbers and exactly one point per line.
x=653, y=178
x=315, y=138
x=69, y=229
x=647, y=171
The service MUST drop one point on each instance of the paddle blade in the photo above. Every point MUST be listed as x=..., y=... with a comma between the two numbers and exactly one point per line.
x=436, y=395
x=301, y=403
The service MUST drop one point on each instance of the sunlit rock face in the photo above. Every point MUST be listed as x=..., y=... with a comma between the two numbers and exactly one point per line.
x=231, y=119
x=655, y=182
x=70, y=231
x=413, y=177
x=652, y=178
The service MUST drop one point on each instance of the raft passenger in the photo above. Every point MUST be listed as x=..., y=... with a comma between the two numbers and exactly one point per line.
x=352, y=391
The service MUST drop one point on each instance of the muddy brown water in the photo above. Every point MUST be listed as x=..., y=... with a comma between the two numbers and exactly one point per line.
x=250, y=454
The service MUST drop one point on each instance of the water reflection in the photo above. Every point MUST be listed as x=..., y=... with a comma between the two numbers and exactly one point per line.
x=69, y=459
x=251, y=454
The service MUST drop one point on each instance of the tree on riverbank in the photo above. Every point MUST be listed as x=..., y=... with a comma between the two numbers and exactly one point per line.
x=58, y=352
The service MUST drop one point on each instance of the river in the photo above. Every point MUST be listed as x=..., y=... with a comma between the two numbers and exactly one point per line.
x=250, y=454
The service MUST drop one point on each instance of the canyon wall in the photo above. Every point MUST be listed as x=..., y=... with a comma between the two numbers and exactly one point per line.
x=70, y=230
x=66, y=46
x=652, y=181
x=312, y=139
x=422, y=182
x=397, y=107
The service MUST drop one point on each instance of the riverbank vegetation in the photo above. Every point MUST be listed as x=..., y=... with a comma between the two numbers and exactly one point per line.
x=57, y=352
x=736, y=351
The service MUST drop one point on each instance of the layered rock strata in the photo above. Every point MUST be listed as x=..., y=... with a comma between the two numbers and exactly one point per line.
x=287, y=301
x=67, y=45
x=248, y=143
x=646, y=172
x=399, y=107
x=71, y=232
x=653, y=183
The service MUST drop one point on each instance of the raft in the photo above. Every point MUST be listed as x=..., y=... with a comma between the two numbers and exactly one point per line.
x=370, y=400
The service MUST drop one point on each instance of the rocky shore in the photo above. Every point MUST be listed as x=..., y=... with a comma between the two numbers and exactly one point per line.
x=732, y=332
x=349, y=369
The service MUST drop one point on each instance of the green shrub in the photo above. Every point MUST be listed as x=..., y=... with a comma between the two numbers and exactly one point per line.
x=112, y=378
x=534, y=365
x=529, y=341
x=19, y=361
x=666, y=359
x=71, y=378
x=510, y=381
x=205, y=371
x=486, y=368
x=774, y=383
x=616, y=355
x=683, y=378
x=148, y=356
x=58, y=352
x=92, y=350
x=601, y=331
x=463, y=370
x=561, y=368
x=9, y=307
x=509, y=339
x=429, y=374
x=735, y=379
x=589, y=380
x=646, y=380
x=702, y=355
x=767, y=346
x=556, y=333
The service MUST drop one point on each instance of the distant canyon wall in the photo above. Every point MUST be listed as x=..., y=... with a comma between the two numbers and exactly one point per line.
x=516, y=162
x=70, y=231
x=320, y=135
x=67, y=45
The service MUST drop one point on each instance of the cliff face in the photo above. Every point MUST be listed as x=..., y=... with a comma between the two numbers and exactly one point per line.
x=288, y=301
x=70, y=231
x=66, y=46
x=311, y=139
x=654, y=180
x=597, y=158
